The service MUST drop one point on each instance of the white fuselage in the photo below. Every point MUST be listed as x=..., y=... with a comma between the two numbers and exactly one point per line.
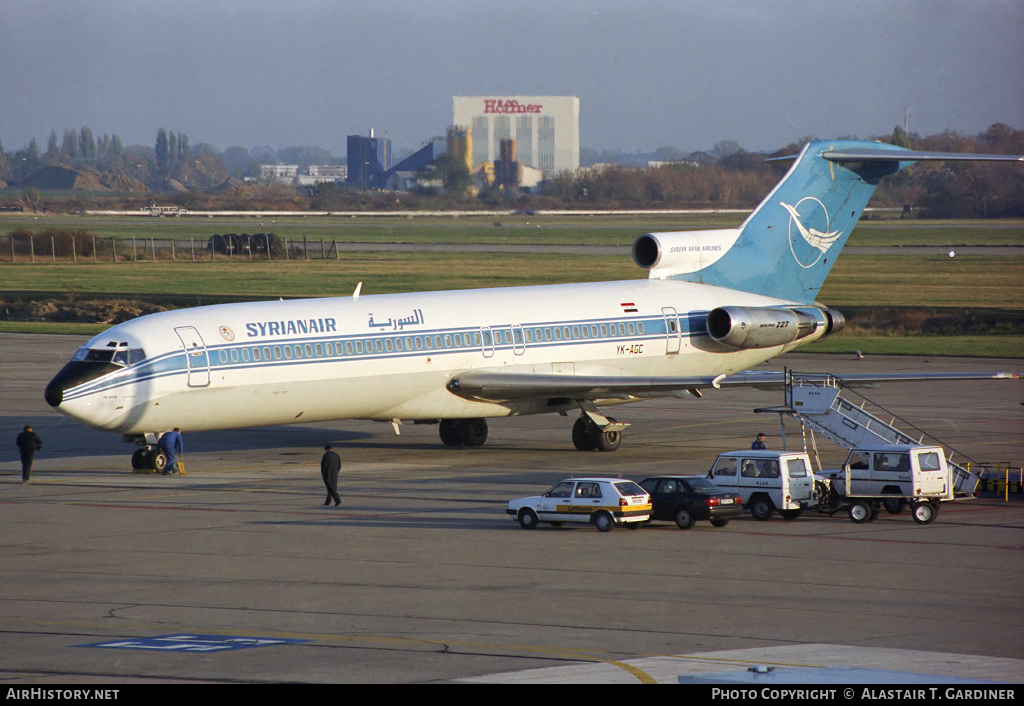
x=388, y=357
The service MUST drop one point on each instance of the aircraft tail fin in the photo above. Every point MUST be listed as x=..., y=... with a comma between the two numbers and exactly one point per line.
x=788, y=244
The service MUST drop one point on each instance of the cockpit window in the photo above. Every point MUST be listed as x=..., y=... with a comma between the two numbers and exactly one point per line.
x=117, y=356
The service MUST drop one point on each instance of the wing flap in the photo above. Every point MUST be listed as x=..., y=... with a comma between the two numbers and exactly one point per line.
x=500, y=386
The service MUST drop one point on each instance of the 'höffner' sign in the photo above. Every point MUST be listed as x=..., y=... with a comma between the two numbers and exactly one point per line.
x=495, y=105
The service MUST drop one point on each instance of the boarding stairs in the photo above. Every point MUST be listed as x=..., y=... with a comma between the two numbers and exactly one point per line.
x=818, y=403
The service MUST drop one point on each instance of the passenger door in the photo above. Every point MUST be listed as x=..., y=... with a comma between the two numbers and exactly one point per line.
x=196, y=356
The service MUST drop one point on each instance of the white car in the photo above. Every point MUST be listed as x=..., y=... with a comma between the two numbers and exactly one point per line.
x=603, y=502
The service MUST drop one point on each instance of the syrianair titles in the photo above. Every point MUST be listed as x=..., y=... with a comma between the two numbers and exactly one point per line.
x=715, y=304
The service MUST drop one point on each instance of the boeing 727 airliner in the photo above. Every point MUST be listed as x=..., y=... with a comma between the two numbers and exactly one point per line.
x=715, y=304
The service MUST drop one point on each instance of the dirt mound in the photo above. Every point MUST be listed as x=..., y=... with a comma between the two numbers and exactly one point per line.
x=89, y=312
x=116, y=182
x=53, y=178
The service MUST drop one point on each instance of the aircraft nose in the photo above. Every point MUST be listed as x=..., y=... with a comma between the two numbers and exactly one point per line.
x=54, y=393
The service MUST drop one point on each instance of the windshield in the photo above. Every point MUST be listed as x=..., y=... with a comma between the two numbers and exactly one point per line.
x=118, y=356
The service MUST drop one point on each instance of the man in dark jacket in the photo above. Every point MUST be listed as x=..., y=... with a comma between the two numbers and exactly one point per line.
x=28, y=443
x=330, y=466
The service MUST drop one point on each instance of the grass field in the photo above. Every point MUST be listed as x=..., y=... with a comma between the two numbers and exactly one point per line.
x=904, y=280
x=590, y=230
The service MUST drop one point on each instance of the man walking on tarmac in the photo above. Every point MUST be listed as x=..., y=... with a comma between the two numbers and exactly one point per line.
x=28, y=443
x=330, y=466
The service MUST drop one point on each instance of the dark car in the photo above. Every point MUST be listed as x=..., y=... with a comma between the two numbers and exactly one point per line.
x=686, y=499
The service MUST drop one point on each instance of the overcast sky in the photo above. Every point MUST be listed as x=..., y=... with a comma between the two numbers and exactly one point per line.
x=648, y=73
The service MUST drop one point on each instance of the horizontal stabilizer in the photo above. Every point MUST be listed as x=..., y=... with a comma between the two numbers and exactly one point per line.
x=902, y=155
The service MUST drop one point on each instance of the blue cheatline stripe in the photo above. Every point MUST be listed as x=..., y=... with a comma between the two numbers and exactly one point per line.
x=174, y=363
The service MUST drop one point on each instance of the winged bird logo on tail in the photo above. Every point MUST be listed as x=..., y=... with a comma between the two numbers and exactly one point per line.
x=820, y=240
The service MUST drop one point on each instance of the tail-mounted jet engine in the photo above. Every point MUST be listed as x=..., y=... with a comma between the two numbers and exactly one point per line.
x=766, y=327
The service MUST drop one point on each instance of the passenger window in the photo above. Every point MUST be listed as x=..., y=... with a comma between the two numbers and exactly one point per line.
x=858, y=462
x=547, y=334
x=320, y=350
x=927, y=461
x=408, y=343
x=379, y=345
x=298, y=351
x=724, y=467
x=277, y=352
x=585, y=331
x=529, y=336
x=255, y=353
x=359, y=346
x=388, y=344
x=565, y=332
x=588, y=490
x=348, y=347
x=398, y=344
x=309, y=351
x=796, y=468
x=649, y=485
x=476, y=339
x=748, y=470
x=891, y=462
x=558, y=334
x=632, y=328
x=575, y=331
x=508, y=337
x=266, y=353
x=288, y=352
x=223, y=356
x=669, y=486
x=604, y=330
x=447, y=341
x=639, y=326
x=245, y=355
x=622, y=329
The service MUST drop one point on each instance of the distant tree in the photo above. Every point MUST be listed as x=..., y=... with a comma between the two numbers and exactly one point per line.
x=454, y=174
x=51, y=145
x=69, y=147
x=162, y=150
x=900, y=138
x=172, y=148
x=724, y=148
x=86, y=144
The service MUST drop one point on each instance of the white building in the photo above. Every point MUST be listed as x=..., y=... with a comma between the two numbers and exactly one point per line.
x=546, y=129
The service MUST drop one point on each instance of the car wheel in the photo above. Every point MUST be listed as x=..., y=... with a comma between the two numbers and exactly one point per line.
x=719, y=521
x=603, y=521
x=924, y=513
x=527, y=519
x=684, y=518
x=860, y=512
x=158, y=460
x=474, y=432
x=791, y=514
x=894, y=506
x=762, y=508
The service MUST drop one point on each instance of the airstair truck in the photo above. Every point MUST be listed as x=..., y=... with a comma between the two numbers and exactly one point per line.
x=891, y=476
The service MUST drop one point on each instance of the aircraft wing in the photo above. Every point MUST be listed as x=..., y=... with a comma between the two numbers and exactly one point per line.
x=499, y=386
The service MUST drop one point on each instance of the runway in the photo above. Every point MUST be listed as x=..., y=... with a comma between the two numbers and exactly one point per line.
x=421, y=577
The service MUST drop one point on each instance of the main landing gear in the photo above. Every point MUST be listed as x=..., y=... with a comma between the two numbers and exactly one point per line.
x=149, y=458
x=587, y=436
x=463, y=432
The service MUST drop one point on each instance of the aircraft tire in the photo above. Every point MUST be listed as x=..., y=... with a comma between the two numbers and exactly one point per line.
x=140, y=459
x=158, y=460
x=581, y=437
x=474, y=432
x=451, y=432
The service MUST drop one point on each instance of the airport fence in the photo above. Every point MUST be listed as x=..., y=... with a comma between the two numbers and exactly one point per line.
x=83, y=248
